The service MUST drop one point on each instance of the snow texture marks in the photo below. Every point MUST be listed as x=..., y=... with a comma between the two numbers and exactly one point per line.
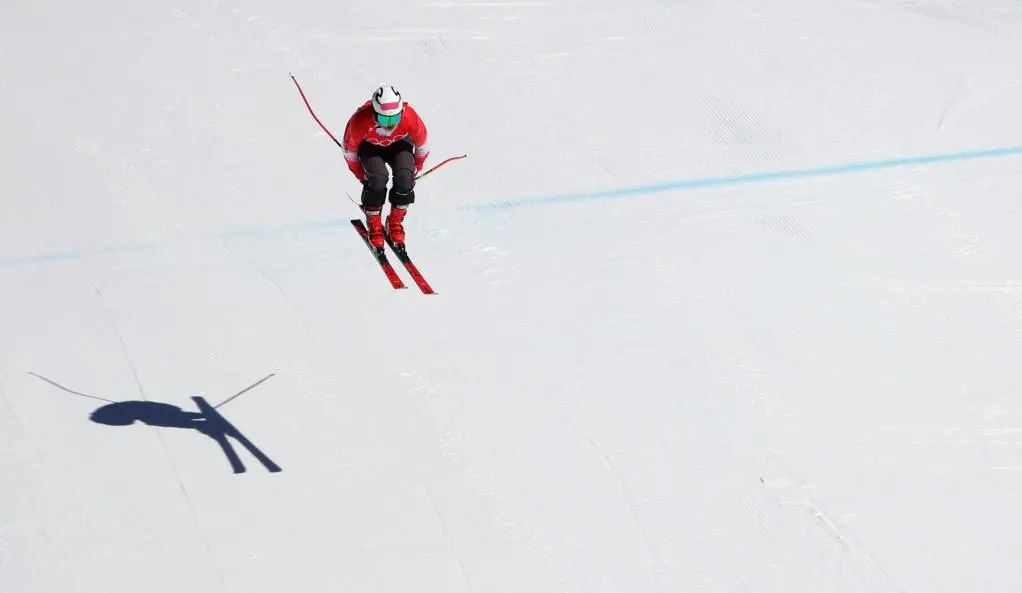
x=735, y=125
x=787, y=225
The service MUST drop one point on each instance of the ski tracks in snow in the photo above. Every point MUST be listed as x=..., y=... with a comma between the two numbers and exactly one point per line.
x=276, y=285
x=159, y=435
x=485, y=483
x=786, y=496
x=447, y=536
x=651, y=556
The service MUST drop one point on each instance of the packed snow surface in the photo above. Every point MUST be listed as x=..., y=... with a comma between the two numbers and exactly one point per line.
x=730, y=299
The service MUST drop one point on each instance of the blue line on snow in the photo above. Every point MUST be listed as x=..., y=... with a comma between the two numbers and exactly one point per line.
x=311, y=226
x=39, y=259
x=704, y=182
x=327, y=224
x=58, y=256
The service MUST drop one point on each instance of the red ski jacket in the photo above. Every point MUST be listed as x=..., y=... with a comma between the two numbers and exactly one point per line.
x=362, y=127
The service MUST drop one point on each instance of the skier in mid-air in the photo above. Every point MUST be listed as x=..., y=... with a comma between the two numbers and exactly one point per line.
x=385, y=131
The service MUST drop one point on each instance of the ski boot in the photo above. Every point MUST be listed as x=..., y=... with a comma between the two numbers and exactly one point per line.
x=374, y=221
x=395, y=230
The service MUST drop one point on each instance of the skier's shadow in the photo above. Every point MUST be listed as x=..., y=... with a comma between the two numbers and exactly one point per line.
x=207, y=420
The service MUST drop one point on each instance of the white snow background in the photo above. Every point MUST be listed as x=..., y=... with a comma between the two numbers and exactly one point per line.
x=730, y=298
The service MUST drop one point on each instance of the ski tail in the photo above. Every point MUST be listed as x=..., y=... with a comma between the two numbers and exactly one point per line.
x=402, y=255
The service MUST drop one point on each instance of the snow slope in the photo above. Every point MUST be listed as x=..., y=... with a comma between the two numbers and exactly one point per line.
x=729, y=299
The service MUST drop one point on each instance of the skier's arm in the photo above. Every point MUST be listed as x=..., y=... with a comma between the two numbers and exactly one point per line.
x=350, y=148
x=420, y=138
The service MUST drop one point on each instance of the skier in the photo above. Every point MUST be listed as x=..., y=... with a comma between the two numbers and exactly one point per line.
x=385, y=131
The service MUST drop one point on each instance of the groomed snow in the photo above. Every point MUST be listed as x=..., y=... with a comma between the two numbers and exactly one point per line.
x=729, y=299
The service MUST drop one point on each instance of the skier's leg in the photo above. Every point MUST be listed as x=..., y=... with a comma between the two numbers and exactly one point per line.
x=403, y=163
x=374, y=190
x=402, y=194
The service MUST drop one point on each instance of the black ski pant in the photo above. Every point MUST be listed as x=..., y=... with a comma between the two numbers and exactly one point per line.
x=374, y=161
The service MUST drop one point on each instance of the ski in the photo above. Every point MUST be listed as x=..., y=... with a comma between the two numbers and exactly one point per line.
x=402, y=255
x=379, y=254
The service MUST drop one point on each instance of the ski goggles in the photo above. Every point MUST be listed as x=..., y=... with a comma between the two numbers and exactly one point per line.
x=388, y=121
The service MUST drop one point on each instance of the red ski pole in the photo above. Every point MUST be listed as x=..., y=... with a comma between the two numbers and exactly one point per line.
x=313, y=113
x=438, y=165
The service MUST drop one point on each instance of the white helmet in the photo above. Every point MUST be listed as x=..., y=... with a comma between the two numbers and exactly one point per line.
x=387, y=101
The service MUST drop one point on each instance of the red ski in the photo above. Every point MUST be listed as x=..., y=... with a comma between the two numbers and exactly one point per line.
x=379, y=254
x=402, y=254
